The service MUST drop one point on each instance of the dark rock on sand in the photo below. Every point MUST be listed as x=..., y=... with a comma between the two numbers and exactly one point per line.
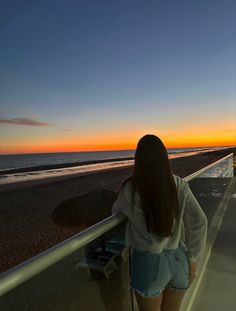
x=86, y=209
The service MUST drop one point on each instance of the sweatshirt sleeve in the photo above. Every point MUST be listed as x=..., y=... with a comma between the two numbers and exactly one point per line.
x=195, y=224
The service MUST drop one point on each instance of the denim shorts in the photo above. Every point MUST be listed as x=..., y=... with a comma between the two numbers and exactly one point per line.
x=151, y=273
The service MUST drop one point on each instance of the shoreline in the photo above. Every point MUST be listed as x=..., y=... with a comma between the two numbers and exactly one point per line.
x=26, y=225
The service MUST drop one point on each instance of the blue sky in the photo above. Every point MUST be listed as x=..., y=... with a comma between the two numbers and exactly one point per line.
x=98, y=66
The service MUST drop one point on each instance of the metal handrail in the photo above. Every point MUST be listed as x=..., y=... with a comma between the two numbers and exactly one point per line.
x=26, y=270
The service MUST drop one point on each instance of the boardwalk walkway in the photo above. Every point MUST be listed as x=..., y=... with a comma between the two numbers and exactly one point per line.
x=217, y=290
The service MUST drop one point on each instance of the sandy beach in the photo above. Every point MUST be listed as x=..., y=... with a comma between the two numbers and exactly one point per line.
x=26, y=227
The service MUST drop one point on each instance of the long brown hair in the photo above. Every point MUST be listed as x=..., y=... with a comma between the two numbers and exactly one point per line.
x=153, y=180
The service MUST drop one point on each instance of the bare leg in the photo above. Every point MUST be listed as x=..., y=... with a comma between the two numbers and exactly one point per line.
x=148, y=304
x=171, y=299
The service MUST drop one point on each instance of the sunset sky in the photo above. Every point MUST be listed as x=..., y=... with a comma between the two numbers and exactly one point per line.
x=97, y=75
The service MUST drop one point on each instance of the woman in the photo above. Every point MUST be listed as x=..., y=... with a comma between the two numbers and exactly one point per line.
x=166, y=228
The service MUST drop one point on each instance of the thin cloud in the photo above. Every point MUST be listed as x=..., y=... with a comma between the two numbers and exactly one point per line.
x=24, y=121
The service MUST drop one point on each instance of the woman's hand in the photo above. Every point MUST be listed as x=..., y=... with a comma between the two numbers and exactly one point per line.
x=192, y=271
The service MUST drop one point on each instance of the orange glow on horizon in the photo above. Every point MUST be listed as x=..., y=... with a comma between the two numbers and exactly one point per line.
x=130, y=145
x=182, y=137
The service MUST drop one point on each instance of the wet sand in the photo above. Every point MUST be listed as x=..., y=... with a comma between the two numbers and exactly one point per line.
x=25, y=224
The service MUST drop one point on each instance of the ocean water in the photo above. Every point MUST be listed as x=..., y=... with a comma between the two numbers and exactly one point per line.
x=21, y=161
x=42, y=159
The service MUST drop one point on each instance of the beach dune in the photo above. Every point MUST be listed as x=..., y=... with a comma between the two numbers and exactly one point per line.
x=86, y=209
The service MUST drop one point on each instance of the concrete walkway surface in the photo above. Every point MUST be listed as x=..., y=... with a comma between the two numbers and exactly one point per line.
x=217, y=290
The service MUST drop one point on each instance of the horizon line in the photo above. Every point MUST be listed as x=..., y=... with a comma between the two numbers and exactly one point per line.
x=110, y=150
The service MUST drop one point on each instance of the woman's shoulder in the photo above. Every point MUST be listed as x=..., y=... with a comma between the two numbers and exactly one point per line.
x=177, y=179
x=127, y=186
x=130, y=193
x=126, y=181
x=180, y=182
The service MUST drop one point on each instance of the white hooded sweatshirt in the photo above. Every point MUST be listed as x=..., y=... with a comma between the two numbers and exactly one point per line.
x=191, y=228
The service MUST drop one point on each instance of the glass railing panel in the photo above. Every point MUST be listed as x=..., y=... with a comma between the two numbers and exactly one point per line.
x=224, y=169
x=209, y=192
x=213, y=190
x=96, y=277
x=211, y=187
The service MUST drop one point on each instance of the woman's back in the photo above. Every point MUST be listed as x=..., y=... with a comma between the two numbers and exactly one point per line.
x=191, y=216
